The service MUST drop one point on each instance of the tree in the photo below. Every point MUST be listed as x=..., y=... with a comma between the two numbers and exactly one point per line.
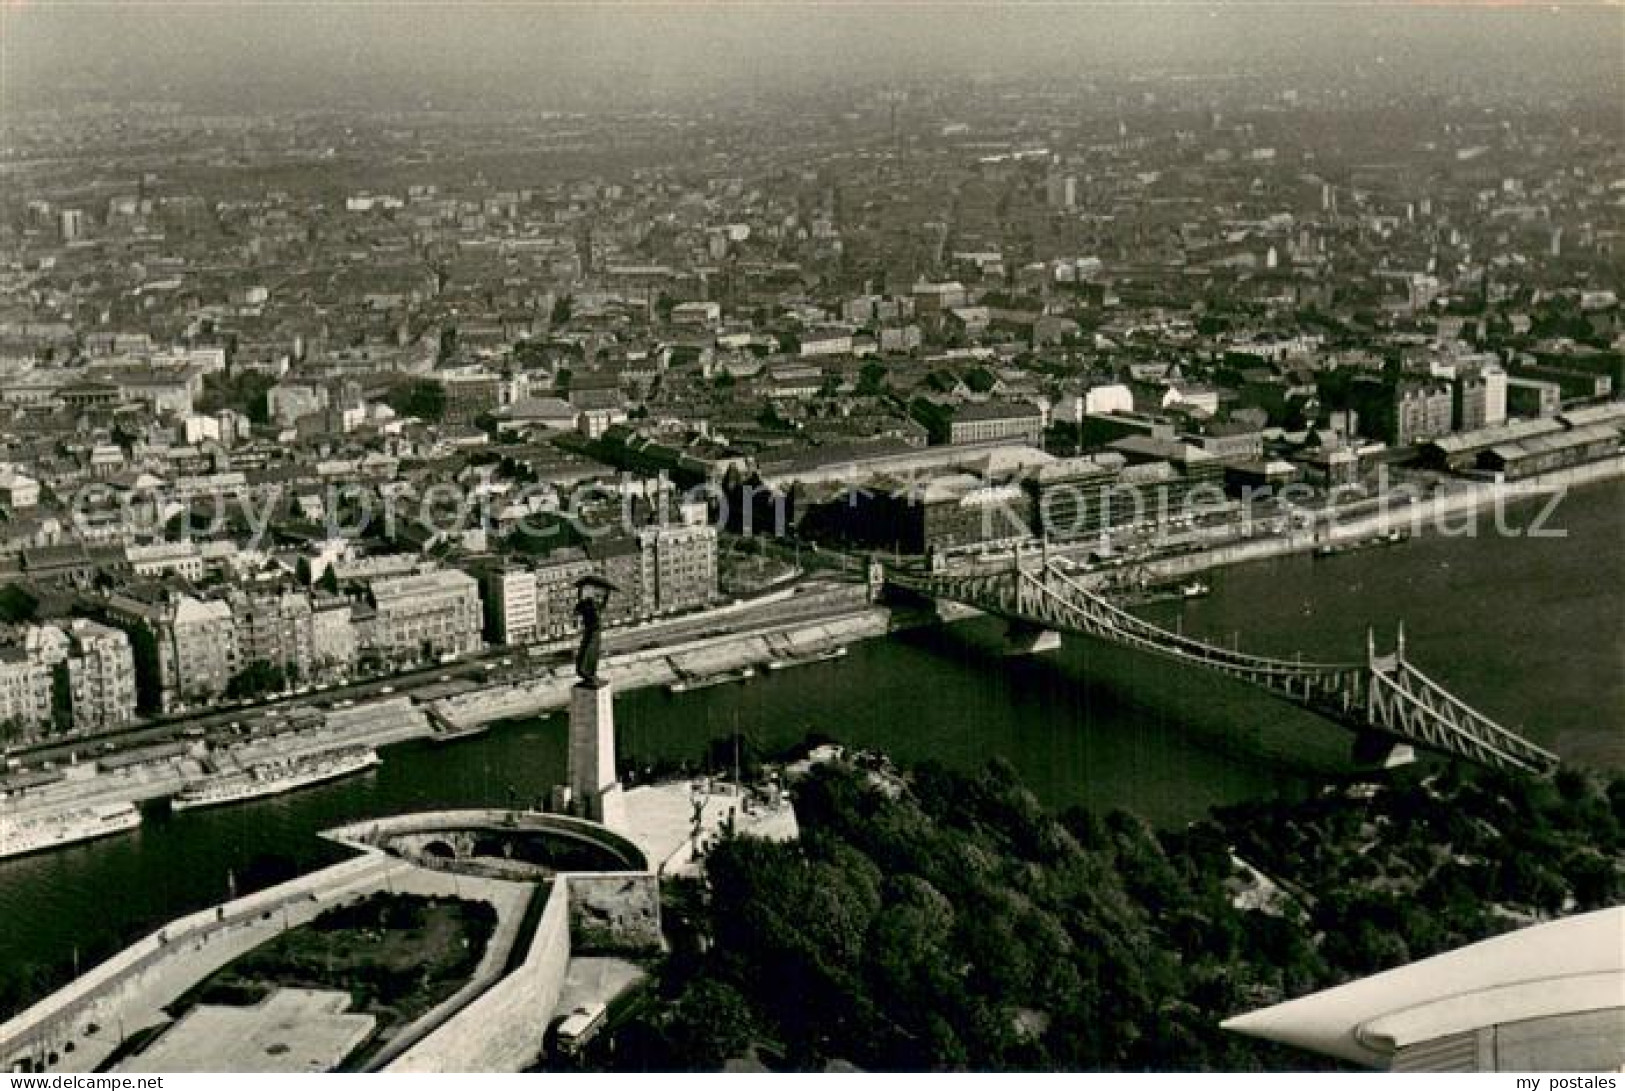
x=872, y=380
x=244, y=392
x=61, y=698
x=707, y=1025
x=563, y=306
x=17, y=605
x=423, y=398
x=148, y=680
x=256, y=680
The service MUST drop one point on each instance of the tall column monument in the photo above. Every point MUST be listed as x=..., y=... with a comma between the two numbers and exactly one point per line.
x=594, y=790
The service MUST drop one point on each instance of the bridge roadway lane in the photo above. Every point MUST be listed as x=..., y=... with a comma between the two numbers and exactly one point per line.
x=806, y=601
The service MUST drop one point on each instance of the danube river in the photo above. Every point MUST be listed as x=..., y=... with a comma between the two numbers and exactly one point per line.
x=1531, y=631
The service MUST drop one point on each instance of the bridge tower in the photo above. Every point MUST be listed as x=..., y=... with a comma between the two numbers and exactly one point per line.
x=1373, y=747
x=1025, y=637
x=1390, y=704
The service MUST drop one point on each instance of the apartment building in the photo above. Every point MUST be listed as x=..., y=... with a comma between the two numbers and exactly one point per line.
x=429, y=614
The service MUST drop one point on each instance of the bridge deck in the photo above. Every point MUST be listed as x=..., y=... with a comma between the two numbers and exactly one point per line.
x=1385, y=694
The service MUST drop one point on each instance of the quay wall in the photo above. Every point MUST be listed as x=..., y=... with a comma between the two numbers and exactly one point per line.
x=1415, y=518
x=661, y=666
x=384, y=722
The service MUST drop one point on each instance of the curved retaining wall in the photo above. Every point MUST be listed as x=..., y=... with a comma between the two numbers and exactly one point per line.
x=502, y=1029
x=157, y=969
x=373, y=836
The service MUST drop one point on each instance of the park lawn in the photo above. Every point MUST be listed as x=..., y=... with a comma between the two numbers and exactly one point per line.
x=397, y=955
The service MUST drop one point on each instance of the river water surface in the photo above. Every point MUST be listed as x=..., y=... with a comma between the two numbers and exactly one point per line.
x=1531, y=631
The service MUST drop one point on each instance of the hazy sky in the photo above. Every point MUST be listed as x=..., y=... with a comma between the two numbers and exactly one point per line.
x=237, y=51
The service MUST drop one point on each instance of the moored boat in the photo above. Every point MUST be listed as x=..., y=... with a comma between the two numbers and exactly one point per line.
x=19, y=836
x=274, y=777
x=801, y=661
x=686, y=685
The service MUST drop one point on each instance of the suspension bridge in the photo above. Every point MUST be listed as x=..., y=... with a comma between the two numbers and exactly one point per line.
x=1385, y=697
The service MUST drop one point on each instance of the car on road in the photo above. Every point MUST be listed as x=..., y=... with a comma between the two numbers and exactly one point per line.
x=578, y=1028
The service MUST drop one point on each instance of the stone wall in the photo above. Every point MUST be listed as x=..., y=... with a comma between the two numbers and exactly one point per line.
x=659, y=666
x=503, y=1030
x=617, y=914
x=126, y=992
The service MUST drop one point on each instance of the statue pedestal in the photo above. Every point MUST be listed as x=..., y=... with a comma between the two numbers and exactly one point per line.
x=592, y=750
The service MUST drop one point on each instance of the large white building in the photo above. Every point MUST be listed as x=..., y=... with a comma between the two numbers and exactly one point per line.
x=430, y=614
x=101, y=676
x=189, y=643
x=197, y=651
x=275, y=628
x=1495, y=395
x=25, y=693
x=69, y=674
x=679, y=567
x=18, y=491
x=163, y=558
x=511, y=605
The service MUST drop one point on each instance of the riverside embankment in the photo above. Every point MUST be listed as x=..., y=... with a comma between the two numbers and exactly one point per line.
x=837, y=616
x=1464, y=509
x=663, y=666
x=1527, y=630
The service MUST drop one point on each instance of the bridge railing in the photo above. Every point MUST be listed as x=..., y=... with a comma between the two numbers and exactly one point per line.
x=1463, y=718
x=1385, y=692
x=1125, y=620
x=1093, y=613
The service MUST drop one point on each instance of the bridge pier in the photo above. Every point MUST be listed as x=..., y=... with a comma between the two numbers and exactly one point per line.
x=1024, y=638
x=1377, y=750
x=1390, y=704
x=949, y=612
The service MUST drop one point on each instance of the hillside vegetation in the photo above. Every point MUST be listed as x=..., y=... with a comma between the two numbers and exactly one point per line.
x=944, y=921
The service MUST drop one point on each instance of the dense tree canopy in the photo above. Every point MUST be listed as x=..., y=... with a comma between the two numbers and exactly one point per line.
x=946, y=921
x=423, y=398
x=256, y=680
x=243, y=391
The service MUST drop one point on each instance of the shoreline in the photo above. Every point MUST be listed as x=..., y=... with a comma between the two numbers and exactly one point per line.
x=630, y=671
x=398, y=719
x=1413, y=519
